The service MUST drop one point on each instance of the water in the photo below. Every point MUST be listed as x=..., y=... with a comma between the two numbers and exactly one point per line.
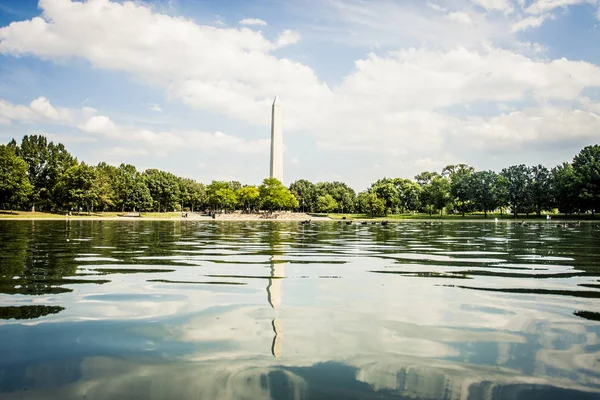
x=195, y=310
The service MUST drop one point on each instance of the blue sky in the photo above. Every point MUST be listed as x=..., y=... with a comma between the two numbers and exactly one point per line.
x=369, y=88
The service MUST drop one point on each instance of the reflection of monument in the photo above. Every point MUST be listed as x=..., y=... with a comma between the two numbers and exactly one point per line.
x=274, y=297
x=276, y=141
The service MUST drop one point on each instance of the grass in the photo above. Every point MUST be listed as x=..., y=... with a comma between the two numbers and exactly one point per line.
x=456, y=217
x=83, y=215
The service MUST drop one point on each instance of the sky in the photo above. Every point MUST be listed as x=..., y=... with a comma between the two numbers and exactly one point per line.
x=369, y=88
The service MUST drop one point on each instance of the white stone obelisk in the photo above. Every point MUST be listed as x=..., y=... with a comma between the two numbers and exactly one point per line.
x=276, y=141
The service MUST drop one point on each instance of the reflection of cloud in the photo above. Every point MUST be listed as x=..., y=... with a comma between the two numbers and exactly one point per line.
x=255, y=378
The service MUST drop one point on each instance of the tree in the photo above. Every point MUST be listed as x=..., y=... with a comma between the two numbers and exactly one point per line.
x=275, y=196
x=105, y=186
x=586, y=166
x=369, y=203
x=343, y=194
x=306, y=194
x=541, y=188
x=14, y=183
x=409, y=193
x=484, y=191
x=518, y=180
x=222, y=195
x=138, y=196
x=249, y=197
x=75, y=188
x=425, y=178
x=387, y=191
x=566, y=188
x=164, y=189
x=436, y=194
x=193, y=194
x=34, y=150
x=326, y=204
x=131, y=192
x=459, y=176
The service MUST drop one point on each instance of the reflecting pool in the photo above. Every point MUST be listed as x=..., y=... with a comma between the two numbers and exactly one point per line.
x=277, y=310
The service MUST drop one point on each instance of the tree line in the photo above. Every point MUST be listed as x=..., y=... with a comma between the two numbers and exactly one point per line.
x=40, y=175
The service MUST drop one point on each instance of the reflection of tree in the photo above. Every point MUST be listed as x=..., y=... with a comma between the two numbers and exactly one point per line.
x=28, y=312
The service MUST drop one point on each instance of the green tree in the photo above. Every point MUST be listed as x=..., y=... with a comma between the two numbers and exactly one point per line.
x=275, y=196
x=436, y=194
x=586, y=166
x=34, y=150
x=566, y=188
x=193, y=194
x=222, y=195
x=518, y=181
x=75, y=188
x=131, y=192
x=326, y=204
x=344, y=195
x=425, y=178
x=541, y=188
x=105, y=186
x=409, y=193
x=164, y=189
x=386, y=190
x=459, y=176
x=306, y=194
x=248, y=197
x=138, y=197
x=369, y=203
x=14, y=183
x=484, y=191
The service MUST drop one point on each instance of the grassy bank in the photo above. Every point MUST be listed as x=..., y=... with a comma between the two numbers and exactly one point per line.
x=459, y=217
x=83, y=215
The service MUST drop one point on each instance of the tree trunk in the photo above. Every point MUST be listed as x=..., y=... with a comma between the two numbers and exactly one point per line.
x=484, y=213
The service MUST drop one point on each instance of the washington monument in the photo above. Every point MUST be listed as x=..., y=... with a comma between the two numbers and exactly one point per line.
x=276, y=141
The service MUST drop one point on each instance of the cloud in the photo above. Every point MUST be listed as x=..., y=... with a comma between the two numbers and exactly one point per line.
x=39, y=110
x=542, y=6
x=528, y=22
x=495, y=5
x=461, y=18
x=287, y=38
x=146, y=141
x=398, y=103
x=436, y=7
x=252, y=21
x=155, y=107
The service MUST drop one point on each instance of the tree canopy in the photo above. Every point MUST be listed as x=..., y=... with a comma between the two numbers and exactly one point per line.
x=41, y=175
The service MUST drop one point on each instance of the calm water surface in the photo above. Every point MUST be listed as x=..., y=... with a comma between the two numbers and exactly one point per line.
x=198, y=310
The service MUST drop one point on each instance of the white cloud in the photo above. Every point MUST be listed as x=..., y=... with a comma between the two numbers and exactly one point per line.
x=394, y=103
x=528, y=22
x=39, y=110
x=100, y=124
x=461, y=18
x=542, y=6
x=253, y=21
x=287, y=38
x=42, y=106
x=155, y=107
x=436, y=7
x=146, y=141
x=495, y=5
